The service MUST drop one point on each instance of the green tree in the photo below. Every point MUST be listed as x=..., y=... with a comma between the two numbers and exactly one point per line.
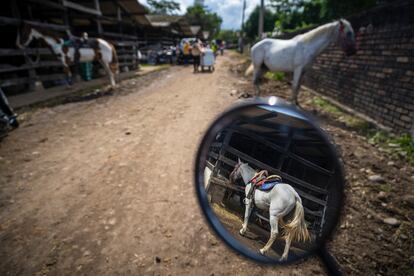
x=294, y=14
x=229, y=36
x=333, y=9
x=207, y=20
x=251, y=27
x=167, y=7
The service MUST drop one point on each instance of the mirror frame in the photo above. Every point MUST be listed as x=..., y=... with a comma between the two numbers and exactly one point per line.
x=224, y=120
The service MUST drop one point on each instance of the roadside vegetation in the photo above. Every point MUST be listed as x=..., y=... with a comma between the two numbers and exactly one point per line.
x=292, y=16
x=398, y=146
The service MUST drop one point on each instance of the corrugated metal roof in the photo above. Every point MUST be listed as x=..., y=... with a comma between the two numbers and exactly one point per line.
x=132, y=7
x=166, y=21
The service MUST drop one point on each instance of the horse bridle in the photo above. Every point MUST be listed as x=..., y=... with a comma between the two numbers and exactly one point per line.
x=252, y=180
x=234, y=170
x=20, y=46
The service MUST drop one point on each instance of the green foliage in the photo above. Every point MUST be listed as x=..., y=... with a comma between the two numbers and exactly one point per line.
x=201, y=16
x=251, y=26
x=403, y=145
x=327, y=106
x=332, y=9
x=230, y=36
x=278, y=76
x=398, y=146
x=297, y=14
x=167, y=7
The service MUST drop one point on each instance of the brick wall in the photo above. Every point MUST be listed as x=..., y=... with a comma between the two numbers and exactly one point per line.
x=379, y=80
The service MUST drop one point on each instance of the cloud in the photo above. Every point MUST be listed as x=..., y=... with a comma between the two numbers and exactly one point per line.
x=230, y=10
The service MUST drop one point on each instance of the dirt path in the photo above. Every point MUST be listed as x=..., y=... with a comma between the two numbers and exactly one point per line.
x=104, y=187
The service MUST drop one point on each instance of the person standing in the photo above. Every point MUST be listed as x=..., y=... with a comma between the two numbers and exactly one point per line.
x=222, y=48
x=214, y=48
x=196, y=51
x=186, y=51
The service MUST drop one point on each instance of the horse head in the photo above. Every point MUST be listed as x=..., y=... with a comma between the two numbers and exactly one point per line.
x=236, y=173
x=346, y=37
x=24, y=36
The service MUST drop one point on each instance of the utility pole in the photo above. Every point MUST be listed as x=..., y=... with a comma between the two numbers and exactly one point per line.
x=242, y=23
x=261, y=19
x=241, y=33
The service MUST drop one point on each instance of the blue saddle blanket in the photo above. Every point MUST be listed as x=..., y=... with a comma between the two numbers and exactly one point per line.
x=267, y=186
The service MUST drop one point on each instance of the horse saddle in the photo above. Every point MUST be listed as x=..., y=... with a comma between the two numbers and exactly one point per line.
x=264, y=182
x=79, y=43
x=268, y=183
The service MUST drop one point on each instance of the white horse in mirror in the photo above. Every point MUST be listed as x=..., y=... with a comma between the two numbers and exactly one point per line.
x=280, y=201
x=296, y=54
x=99, y=50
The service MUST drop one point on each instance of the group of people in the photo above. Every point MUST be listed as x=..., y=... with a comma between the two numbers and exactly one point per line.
x=197, y=48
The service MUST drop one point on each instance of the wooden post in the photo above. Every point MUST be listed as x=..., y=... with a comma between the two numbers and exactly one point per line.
x=261, y=19
x=221, y=152
x=31, y=71
x=98, y=21
x=66, y=17
x=283, y=156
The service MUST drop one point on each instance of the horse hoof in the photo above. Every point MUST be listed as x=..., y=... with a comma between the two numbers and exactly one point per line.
x=262, y=251
x=241, y=232
x=283, y=258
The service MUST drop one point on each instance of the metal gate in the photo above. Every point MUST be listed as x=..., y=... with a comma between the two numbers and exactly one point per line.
x=289, y=148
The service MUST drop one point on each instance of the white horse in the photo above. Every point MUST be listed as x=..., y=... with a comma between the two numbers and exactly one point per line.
x=100, y=50
x=280, y=201
x=297, y=54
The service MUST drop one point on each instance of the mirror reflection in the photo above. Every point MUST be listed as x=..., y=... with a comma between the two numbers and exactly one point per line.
x=270, y=179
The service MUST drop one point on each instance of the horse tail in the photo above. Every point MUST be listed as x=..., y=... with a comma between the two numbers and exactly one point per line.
x=297, y=229
x=249, y=70
x=114, y=64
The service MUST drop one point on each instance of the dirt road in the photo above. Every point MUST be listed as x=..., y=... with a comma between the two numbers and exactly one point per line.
x=104, y=187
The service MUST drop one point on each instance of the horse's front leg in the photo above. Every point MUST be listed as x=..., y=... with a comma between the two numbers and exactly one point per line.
x=273, y=233
x=297, y=75
x=249, y=206
x=68, y=74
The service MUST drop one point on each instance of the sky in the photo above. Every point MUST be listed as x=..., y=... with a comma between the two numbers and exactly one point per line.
x=229, y=10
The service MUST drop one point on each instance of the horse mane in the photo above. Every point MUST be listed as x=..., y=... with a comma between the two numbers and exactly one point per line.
x=316, y=32
x=47, y=32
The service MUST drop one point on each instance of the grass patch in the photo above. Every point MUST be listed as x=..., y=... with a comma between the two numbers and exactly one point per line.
x=397, y=146
x=385, y=188
x=401, y=146
x=326, y=106
x=277, y=76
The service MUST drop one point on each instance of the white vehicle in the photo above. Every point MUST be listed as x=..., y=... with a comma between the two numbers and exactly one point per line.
x=207, y=60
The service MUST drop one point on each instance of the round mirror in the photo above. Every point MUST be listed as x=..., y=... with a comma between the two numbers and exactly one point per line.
x=269, y=181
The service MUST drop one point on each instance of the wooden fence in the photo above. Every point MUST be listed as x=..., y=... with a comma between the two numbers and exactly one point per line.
x=285, y=155
x=25, y=69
